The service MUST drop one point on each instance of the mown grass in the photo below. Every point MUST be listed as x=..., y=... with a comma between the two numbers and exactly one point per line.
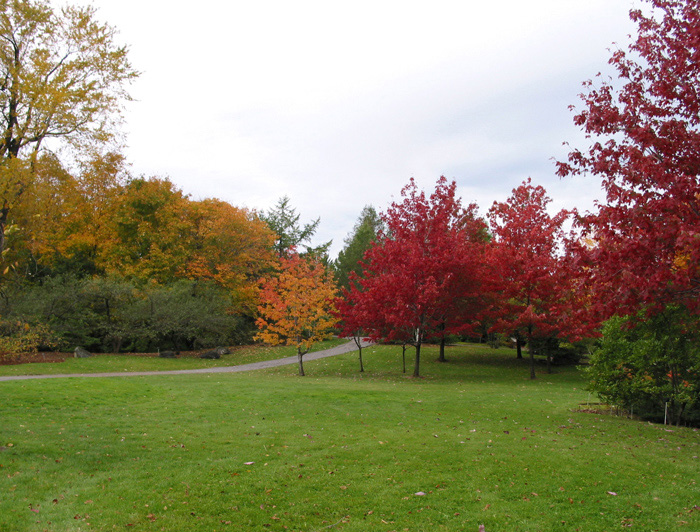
x=125, y=363
x=337, y=450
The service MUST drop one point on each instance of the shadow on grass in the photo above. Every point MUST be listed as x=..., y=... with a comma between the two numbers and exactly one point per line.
x=465, y=363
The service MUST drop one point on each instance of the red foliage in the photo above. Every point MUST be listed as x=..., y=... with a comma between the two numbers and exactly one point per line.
x=645, y=248
x=537, y=299
x=423, y=277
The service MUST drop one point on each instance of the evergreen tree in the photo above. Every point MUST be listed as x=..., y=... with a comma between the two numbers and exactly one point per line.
x=284, y=221
x=365, y=231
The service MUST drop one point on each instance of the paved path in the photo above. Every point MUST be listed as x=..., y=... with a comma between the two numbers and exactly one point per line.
x=337, y=350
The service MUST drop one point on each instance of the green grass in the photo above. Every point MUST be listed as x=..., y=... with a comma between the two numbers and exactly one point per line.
x=124, y=362
x=339, y=451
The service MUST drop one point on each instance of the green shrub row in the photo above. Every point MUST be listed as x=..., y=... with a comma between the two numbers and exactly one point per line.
x=118, y=315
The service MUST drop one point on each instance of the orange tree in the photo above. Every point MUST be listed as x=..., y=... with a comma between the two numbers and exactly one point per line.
x=232, y=247
x=296, y=305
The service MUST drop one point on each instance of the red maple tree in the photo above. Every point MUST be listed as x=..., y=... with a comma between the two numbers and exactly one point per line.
x=644, y=243
x=422, y=277
x=536, y=297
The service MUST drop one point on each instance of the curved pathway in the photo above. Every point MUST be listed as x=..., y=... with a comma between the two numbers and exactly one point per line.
x=333, y=351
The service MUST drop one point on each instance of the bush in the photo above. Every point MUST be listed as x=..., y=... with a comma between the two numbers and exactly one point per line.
x=110, y=314
x=18, y=337
x=650, y=366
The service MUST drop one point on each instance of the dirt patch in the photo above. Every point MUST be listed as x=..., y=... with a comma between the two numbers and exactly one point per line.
x=28, y=358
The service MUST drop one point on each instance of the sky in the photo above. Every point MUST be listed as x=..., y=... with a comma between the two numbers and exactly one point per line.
x=337, y=104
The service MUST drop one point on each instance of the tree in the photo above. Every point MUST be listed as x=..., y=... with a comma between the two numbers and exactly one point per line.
x=353, y=320
x=150, y=232
x=58, y=225
x=422, y=276
x=284, y=221
x=61, y=77
x=645, y=134
x=531, y=279
x=232, y=247
x=296, y=305
x=365, y=231
x=650, y=366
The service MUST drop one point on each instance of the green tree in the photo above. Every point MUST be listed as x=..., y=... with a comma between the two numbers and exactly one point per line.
x=365, y=231
x=284, y=221
x=650, y=366
x=62, y=77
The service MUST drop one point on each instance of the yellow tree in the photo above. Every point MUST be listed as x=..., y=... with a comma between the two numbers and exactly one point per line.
x=149, y=232
x=59, y=223
x=296, y=305
x=62, y=77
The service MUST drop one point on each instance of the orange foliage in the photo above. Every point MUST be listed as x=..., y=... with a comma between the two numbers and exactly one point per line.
x=232, y=247
x=297, y=305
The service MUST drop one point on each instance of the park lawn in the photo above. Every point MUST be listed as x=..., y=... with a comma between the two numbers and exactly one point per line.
x=110, y=363
x=472, y=442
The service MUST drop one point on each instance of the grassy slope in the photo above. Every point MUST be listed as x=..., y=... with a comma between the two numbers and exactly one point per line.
x=338, y=451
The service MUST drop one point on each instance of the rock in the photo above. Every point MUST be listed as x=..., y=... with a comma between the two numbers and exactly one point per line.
x=168, y=354
x=222, y=351
x=211, y=355
x=81, y=353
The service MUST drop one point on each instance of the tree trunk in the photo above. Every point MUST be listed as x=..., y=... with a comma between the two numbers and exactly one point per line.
x=3, y=222
x=518, y=347
x=404, y=357
x=532, y=356
x=416, y=367
x=358, y=343
x=442, y=358
x=300, y=357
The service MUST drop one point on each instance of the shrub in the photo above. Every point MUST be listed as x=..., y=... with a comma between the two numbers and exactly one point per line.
x=650, y=366
x=18, y=337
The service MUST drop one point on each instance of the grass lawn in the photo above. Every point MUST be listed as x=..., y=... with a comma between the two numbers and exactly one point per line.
x=473, y=442
x=125, y=362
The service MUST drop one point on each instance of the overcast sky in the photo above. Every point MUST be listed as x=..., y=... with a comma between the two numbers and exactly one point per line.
x=337, y=104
